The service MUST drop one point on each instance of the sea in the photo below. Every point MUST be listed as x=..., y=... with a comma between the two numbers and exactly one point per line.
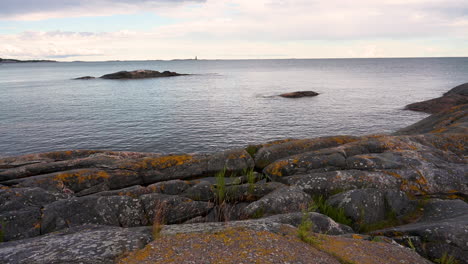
x=221, y=104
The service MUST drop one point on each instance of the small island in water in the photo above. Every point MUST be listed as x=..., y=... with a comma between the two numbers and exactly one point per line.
x=23, y=61
x=389, y=198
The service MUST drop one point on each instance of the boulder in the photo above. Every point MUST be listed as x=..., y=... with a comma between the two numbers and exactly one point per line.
x=106, y=210
x=299, y=94
x=172, y=209
x=371, y=206
x=90, y=244
x=268, y=153
x=202, y=191
x=251, y=192
x=454, y=97
x=12, y=199
x=283, y=200
x=139, y=74
x=320, y=223
x=21, y=224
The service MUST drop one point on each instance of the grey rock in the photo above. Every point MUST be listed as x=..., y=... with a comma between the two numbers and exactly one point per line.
x=280, y=201
x=18, y=198
x=442, y=229
x=454, y=97
x=202, y=191
x=83, y=244
x=173, y=187
x=328, y=183
x=320, y=223
x=453, y=120
x=251, y=192
x=112, y=210
x=171, y=209
x=370, y=206
x=21, y=224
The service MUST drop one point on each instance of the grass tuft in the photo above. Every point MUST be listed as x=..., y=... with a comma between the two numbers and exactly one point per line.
x=221, y=186
x=158, y=219
x=251, y=179
x=304, y=231
x=334, y=213
x=446, y=259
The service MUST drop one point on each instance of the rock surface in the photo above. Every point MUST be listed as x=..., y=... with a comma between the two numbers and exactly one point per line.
x=299, y=94
x=95, y=199
x=443, y=228
x=263, y=244
x=85, y=245
x=454, y=97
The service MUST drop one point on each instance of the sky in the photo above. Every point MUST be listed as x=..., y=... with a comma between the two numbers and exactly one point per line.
x=96, y=30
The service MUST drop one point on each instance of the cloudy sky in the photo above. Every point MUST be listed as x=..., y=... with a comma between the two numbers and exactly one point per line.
x=231, y=29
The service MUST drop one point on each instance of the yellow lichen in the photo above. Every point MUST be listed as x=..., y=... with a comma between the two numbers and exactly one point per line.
x=81, y=176
x=277, y=167
x=162, y=162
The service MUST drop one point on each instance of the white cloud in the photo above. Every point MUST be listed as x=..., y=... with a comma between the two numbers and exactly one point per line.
x=264, y=28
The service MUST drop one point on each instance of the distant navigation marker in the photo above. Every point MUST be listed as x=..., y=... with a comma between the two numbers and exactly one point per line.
x=196, y=58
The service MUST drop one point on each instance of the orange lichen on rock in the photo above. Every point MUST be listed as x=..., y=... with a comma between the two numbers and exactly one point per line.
x=277, y=167
x=81, y=176
x=163, y=162
x=237, y=245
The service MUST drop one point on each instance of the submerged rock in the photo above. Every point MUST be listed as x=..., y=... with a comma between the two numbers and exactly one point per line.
x=299, y=94
x=85, y=78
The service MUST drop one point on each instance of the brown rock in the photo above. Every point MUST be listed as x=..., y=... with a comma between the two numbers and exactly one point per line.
x=299, y=94
x=139, y=74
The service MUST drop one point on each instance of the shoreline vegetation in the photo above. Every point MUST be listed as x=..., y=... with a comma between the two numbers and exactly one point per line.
x=389, y=198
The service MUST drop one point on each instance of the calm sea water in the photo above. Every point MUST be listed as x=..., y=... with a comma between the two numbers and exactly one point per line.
x=225, y=104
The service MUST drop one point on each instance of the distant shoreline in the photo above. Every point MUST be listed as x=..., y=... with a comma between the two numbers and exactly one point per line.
x=221, y=59
x=23, y=61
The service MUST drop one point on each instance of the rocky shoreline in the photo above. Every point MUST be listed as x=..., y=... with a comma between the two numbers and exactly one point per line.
x=398, y=198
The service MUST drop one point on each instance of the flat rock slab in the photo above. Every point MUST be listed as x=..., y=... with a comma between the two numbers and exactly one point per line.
x=442, y=229
x=85, y=244
x=256, y=242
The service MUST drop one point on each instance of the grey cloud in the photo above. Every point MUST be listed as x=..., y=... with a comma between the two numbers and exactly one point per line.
x=9, y=8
